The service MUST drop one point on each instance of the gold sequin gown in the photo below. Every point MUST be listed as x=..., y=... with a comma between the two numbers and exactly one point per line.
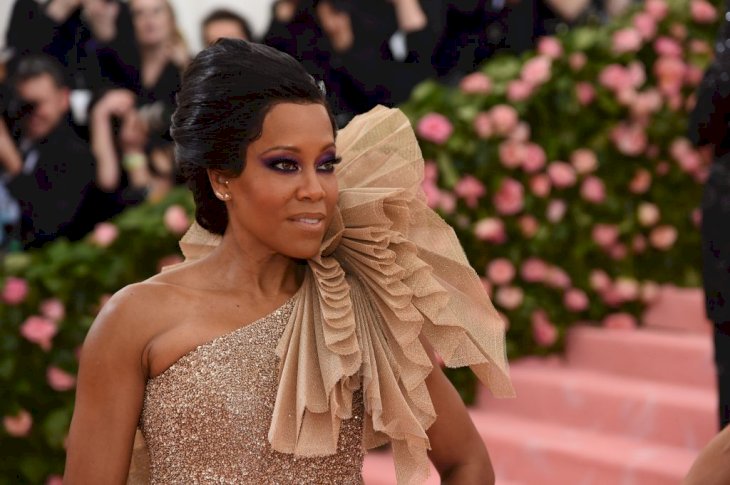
x=206, y=418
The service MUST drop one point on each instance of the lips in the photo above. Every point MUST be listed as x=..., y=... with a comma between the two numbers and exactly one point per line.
x=309, y=220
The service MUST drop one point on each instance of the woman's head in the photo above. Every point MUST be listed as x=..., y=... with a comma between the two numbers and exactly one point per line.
x=154, y=22
x=247, y=105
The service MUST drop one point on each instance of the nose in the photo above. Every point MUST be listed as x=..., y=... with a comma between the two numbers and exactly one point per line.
x=310, y=187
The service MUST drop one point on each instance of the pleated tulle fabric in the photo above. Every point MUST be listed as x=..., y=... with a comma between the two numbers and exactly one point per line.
x=391, y=272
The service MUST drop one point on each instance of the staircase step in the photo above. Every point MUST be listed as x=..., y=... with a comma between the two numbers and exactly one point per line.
x=664, y=356
x=679, y=309
x=536, y=452
x=655, y=412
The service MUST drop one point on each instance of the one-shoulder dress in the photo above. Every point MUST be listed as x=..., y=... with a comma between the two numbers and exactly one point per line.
x=206, y=418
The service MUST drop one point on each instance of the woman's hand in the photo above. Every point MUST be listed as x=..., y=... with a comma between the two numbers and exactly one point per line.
x=116, y=102
x=133, y=135
x=336, y=25
x=60, y=10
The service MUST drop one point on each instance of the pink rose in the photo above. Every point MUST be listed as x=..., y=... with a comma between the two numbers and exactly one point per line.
x=528, y=225
x=618, y=251
x=577, y=60
x=666, y=46
x=622, y=321
x=641, y=181
x=575, y=300
x=60, y=380
x=605, y=235
x=430, y=171
x=630, y=139
x=540, y=185
x=519, y=90
x=447, y=202
x=593, y=190
x=658, y=9
x=470, y=189
x=678, y=31
x=696, y=217
x=39, y=330
x=645, y=24
x=556, y=211
x=584, y=160
x=636, y=74
x=679, y=147
x=646, y=103
x=561, y=174
x=104, y=234
x=557, y=278
x=500, y=271
x=14, y=290
x=585, y=93
x=662, y=168
x=511, y=153
x=599, y=280
x=476, y=83
x=18, y=425
x=432, y=193
x=520, y=133
x=702, y=12
x=167, y=261
x=53, y=309
x=614, y=77
x=483, y=125
x=534, y=158
x=537, y=70
x=491, y=230
x=509, y=297
x=693, y=75
x=543, y=330
x=549, y=47
x=626, y=40
x=626, y=288
x=54, y=479
x=509, y=199
x=648, y=214
x=176, y=219
x=689, y=161
x=434, y=127
x=504, y=118
x=638, y=244
x=663, y=237
x=649, y=292
x=534, y=270
x=697, y=46
x=670, y=73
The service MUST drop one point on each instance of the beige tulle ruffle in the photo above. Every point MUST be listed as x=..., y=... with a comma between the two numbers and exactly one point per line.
x=390, y=271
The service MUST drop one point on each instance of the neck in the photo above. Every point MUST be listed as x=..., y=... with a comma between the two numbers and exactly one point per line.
x=153, y=53
x=253, y=270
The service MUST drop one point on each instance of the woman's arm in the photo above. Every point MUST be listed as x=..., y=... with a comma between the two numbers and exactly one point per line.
x=10, y=159
x=109, y=394
x=116, y=102
x=457, y=450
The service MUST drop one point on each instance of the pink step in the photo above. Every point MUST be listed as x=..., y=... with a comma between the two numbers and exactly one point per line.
x=657, y=354
x=593, y=401
x=540, y=453
x=678, y=309
x=379, y=470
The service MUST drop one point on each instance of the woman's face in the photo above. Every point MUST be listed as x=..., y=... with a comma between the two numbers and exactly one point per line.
x=286, y=195
x=152, y=21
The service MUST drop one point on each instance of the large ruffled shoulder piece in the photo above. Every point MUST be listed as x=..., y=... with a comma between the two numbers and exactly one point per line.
x=391, y=274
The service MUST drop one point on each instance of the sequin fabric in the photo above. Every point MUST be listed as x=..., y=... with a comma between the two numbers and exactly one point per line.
x=206, y=418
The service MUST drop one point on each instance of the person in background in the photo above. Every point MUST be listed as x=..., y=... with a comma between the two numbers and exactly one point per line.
x=708, y=126
x=224, y=23
x=57, y=166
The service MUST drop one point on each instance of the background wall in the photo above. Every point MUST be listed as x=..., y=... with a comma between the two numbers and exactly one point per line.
x=189, y=15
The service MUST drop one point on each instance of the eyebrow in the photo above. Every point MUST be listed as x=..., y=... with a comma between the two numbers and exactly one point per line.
x=292, y=148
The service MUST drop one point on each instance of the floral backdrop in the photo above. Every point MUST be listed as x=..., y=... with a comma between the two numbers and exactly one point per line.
x=566, y=174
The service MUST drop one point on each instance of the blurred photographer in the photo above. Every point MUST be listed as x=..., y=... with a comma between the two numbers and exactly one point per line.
x=56, y=167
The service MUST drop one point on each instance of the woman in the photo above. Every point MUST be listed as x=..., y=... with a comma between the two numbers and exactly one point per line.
x=294, y=336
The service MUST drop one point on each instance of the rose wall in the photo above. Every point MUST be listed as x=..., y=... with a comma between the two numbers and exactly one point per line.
x=566, y=174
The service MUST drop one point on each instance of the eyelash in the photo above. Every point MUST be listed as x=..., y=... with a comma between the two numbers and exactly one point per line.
x=275, y=164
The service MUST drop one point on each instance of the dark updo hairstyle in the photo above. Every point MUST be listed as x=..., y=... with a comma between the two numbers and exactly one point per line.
x=226, y=92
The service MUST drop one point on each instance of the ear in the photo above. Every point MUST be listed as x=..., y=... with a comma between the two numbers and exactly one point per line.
x=219, y=182
x=65, y=98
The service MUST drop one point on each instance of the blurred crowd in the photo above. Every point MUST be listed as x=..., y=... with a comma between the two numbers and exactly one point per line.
x=87, y=87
